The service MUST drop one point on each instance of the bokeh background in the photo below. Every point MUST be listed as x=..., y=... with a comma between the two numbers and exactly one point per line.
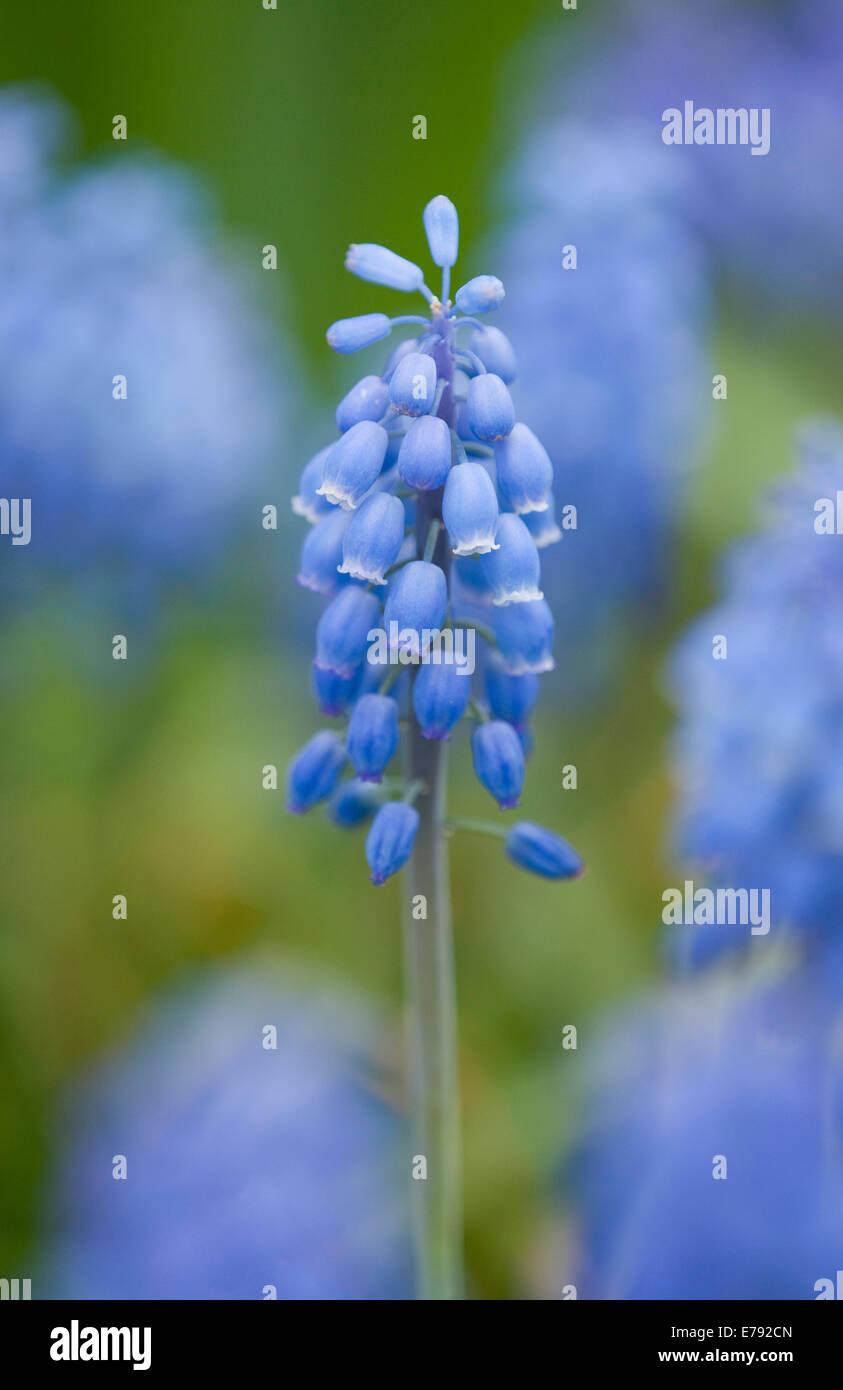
x=144, y=778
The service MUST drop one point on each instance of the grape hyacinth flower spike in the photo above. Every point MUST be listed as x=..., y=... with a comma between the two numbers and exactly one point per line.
x=436, y=483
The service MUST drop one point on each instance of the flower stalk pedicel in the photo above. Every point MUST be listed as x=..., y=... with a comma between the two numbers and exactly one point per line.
x=432, y=474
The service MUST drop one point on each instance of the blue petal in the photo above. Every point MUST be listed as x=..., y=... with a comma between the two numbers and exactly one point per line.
x=470, y=509
x=491, y=414
x=389, y=842
x=315, y=770
x=372, y=735
x=350, y=335
x=354, y=463
x=368, y=400
x=374, y=538
x=479, y=295
x=539, y=850
x=424, y=458
x=380, y=266
x=412, y=386
x=442, y=227
x=525, y=473
x=499, y=761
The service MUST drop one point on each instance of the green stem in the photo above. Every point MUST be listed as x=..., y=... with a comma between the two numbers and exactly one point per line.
x=432, y=1041
x=480, y=628
x=475, y=711
x=432, y=538
x=412, y=791
x=430, y=979
x=476, y=827
x=389, y=679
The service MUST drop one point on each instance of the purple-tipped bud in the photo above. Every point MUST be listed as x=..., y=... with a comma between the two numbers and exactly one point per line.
x=542, y=525
x=389, y=842
x=440, y=698
x=424, y=458
x=334, y=693
x=470, y=509
x=480, y=295
x=373, y=539
x=353, y=802
x=315, y=771
x=354, y=464
x=510, y=697
x=322, y=552
x=307, y=502
x=499, y=761
x=342, y=633
x=442, y=228
x=416, y=605
x=372, y=735
x=491, y=413
x=539, y=850
x=412, y=386
x=524, y=633
x=512, y=571
x=495, y=352
x=367, y=400
x=525, y=473
x=350, y=335
x=380, y=266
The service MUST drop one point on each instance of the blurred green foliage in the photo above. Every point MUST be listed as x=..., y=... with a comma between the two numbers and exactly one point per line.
x=301, y=118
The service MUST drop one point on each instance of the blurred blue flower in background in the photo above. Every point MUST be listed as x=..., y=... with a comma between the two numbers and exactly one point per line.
x=247, y=1166
x=616, y=338
x=760, y=782
x=740, y=1078
x=108, y=270
x=777, y=218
